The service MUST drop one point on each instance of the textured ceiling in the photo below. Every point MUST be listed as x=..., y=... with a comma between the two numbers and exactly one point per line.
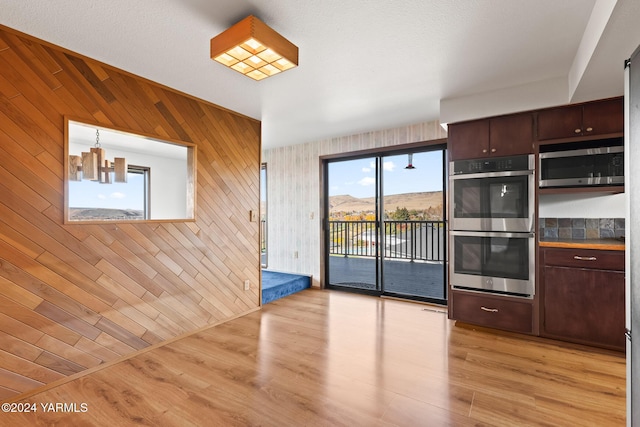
x=363, y=65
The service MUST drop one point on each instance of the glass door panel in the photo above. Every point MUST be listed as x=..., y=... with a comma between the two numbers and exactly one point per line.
x=352, y=228
x=263, y=215
x=413, y=229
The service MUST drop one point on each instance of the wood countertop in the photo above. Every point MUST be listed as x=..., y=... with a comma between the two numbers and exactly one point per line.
x=599, y=244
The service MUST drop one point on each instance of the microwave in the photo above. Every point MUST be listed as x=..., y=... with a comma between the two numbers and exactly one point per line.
x=600, y=166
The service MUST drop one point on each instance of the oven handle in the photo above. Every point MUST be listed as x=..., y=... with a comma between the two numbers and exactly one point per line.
x=491, y=234
x=491, y=174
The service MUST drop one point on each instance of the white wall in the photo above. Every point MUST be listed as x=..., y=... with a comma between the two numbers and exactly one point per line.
x=294, y=193
x=527, y=97
x=582, y=205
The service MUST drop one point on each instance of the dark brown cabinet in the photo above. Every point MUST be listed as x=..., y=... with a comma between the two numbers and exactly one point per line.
x=468, y=140
x=507, y=313
x=583, y=296
x=584, y=120
x=499, y=136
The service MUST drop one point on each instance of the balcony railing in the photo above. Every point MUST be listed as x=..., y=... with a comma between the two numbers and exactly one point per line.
x=409, y=240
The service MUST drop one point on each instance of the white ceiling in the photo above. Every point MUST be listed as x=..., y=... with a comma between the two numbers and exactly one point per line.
x=364, y=65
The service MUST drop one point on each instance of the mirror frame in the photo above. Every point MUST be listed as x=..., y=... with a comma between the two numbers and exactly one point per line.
x=191, y=173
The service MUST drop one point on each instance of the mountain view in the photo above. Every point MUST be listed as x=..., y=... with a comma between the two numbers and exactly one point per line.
x=425, y=204
x=103, y=214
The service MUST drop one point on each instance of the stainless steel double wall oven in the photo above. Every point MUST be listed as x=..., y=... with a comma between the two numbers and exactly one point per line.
x=492, y=225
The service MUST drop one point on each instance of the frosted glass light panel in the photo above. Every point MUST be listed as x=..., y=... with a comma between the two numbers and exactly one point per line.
x=118, y=176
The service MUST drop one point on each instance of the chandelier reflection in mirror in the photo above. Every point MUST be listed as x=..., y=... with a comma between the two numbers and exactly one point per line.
x=120, y=176
x=93, y=165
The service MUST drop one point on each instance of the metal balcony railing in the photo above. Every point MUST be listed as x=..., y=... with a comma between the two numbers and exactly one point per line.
x=409, y=240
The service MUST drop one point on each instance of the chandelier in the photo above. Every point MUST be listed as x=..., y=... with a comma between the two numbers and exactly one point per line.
x=93, y=165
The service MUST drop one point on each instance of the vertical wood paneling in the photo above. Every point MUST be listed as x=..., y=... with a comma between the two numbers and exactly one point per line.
x=293, y=192
x=75, y=296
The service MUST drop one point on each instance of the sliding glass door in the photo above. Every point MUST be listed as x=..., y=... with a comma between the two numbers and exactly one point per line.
x=385, y=229
x=352, y=241
x=412, y=206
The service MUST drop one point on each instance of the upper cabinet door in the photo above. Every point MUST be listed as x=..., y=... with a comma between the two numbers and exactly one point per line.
x=603, y=117
x=468, y=140
x=499, y=136
x=592, y=118
x=562, y=122
x=511, y=135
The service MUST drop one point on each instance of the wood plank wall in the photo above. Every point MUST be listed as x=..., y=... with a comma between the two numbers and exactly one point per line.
x=75, y=296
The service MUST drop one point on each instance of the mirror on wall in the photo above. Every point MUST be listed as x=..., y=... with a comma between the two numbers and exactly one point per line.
x=114, y=175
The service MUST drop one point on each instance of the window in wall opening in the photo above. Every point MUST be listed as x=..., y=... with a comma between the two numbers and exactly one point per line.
x=117, y=201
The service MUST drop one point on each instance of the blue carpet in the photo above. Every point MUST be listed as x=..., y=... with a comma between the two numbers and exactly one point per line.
x=277, y=285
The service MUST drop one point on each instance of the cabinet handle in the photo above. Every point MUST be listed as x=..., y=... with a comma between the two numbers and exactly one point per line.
x=484, y=150
x=493, y=150
x=584, y=258
x=589, y=129
x=490, y=310
x=577, y=131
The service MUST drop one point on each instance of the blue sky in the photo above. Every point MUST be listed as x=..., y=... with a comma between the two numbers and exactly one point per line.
x=357, y=177
x=92, y=194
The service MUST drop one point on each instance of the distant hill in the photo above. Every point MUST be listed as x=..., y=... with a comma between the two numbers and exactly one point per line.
x=102, y=214
x=417, y=201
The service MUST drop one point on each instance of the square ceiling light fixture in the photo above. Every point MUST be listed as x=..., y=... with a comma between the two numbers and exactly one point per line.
x=252, y=48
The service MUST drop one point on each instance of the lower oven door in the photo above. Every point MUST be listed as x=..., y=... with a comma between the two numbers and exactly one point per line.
x=495, y=262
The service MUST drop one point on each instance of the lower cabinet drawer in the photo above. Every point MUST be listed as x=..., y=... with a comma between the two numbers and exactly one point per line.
x=585, y=258
x=507, y=314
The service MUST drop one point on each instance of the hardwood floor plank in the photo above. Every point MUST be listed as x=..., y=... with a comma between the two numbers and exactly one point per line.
x=405, y=411
x=327, y=358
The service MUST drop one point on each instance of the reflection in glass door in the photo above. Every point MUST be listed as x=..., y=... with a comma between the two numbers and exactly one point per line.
x=385, y=230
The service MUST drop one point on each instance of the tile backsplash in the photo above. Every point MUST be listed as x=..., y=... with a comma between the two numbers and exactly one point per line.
x=581, y=228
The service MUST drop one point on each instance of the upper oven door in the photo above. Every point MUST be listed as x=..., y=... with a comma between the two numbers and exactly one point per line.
x=496, y=201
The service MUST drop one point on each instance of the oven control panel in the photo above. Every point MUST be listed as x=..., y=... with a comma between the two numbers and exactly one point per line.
x=500, y=164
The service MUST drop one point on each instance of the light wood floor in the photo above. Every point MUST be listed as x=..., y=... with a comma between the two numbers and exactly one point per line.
x=323, y=358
